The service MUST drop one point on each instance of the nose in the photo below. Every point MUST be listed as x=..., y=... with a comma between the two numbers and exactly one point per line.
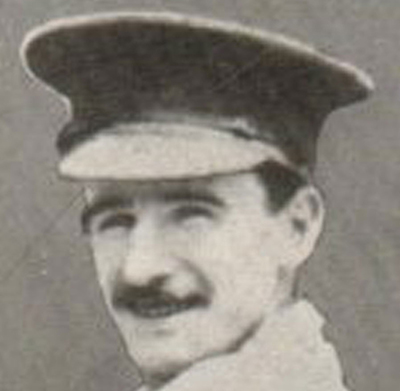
x=147, y=259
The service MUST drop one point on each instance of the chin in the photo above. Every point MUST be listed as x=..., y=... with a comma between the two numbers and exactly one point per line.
x=164, y=349
x=161, y=361
x=158, y=368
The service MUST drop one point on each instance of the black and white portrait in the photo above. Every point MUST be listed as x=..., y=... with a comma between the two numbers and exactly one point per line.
x=199, y=197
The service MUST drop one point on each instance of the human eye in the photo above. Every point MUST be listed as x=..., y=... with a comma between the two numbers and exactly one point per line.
x=192, y=212
x=113, y=220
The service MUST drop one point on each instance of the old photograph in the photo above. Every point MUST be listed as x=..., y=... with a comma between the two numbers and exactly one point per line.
x=199, y=197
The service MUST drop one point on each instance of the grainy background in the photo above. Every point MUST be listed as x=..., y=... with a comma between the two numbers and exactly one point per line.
x=54, y=332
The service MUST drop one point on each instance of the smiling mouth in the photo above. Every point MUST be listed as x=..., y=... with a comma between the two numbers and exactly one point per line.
x=155, y=306
x=160, y=310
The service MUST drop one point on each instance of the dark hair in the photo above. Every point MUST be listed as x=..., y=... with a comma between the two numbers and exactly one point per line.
x=280, y=183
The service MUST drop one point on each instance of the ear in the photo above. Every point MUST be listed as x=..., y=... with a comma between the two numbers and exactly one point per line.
x=305, y=215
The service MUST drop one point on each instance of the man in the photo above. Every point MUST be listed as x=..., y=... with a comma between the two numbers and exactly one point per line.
x=195, y=143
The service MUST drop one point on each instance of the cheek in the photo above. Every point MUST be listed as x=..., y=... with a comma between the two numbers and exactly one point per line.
x=108, y=253
x=234, y=255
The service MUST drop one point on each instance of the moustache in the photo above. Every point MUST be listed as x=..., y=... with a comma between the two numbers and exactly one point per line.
x=154, y=301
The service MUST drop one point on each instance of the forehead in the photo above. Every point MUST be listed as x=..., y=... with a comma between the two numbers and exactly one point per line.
x=228, y=189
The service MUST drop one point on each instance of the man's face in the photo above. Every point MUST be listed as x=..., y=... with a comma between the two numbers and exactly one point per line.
x=189, y=269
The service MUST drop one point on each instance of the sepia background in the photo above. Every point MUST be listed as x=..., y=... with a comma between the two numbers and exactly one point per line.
x=54, y=331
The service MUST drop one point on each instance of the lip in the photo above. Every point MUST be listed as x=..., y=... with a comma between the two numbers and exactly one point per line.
x=161, y=310
x=158, y=306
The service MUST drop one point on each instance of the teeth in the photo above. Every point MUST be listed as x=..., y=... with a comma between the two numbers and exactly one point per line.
x=158, y=311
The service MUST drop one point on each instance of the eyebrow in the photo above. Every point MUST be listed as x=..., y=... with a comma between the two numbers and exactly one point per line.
x=100, y=205
x=192, y=195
